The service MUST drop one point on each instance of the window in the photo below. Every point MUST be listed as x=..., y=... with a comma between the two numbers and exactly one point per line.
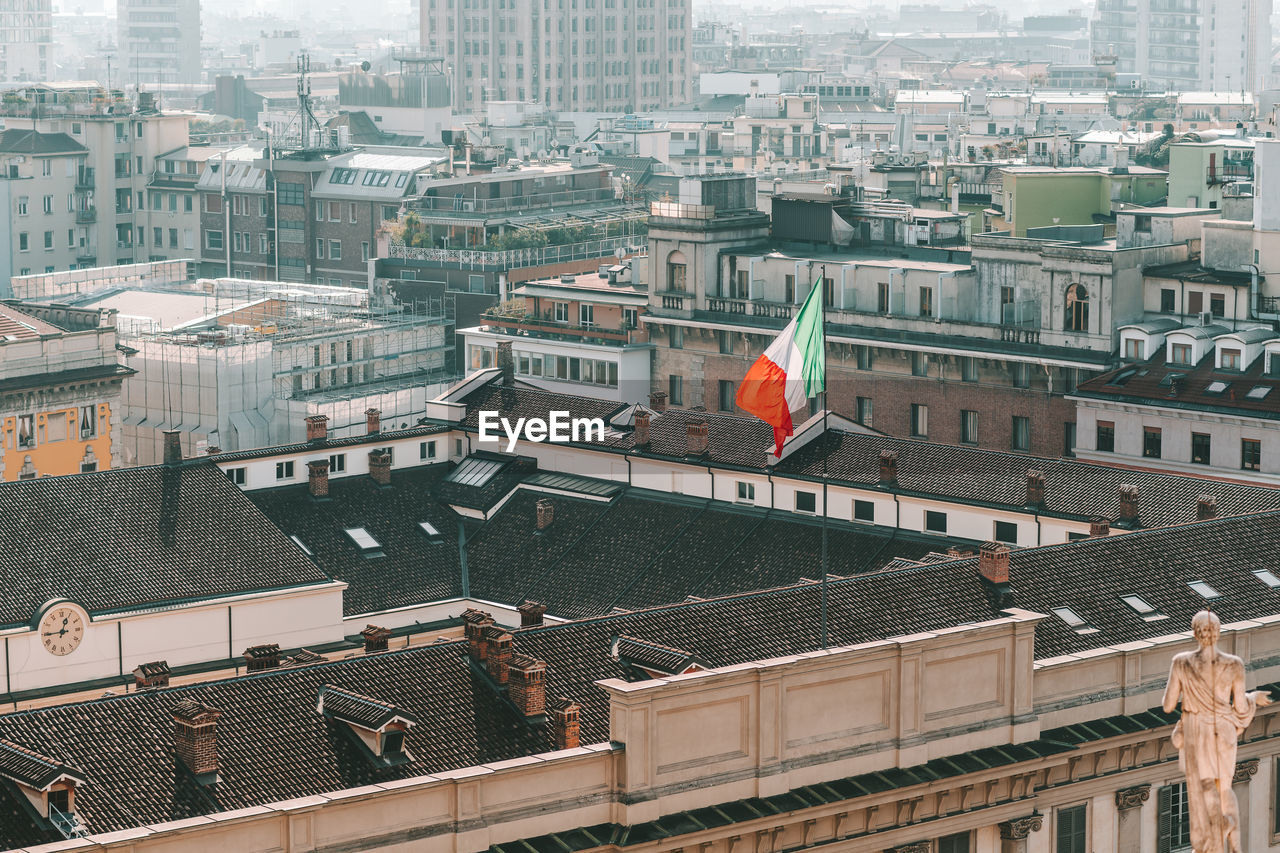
x=1151, y=442
x=919, y=420
x=213, y=239
x=1077, y=308
x=1195, y=302
x=1230, y=359
x=919, y=364
x=1069, y=438
x=968, y=369
x=22, y=205
x=1217, y=305
x=926, y=302
x=677, y=273
x=23, y=243
x=363, y=540
x=212, y=203
x=1200, y=448
x=726, y=395
x=1133, y=348
x=958, y=843
x=864, y=511
x=1106, y=441
x=864, y=411
x=338, y=463
x=1021, y=439
x=335, y=250
x=789, y=288
x=284, y=470
x=935, y=522
x=1173, y=819
x=586, y=314
x=1074, y=620
x=561, y=312
x=882, y=297
x=675, y=389
x=747, y=492
x=236, y=475
x=968, y=426
x=351, y=213
x=48, y=204
x=48, y=241
x=1167, y=303
x=1203, y=589
x=1071, y=828
x=1250, y=454
x=364, y=251
x=427, y=450
x=289, y=193
x=1020, y=374
x=806, y=501
x=1267, y=578
x=865, y=357
x=88, y=422
x=1006, y=531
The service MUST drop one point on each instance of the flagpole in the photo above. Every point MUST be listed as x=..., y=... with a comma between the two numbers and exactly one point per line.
x=823, y=296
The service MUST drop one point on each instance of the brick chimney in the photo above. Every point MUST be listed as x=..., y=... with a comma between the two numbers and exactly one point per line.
x=1099, y=527
x=993, y=562
x=527, y=685
x=318, y=478
x=506, y=363
x=172, y=447
x=317, y=427
x=213, y=450
x=658, y=401
x=380, y=467
x=259, y=658
x=1206, y=507
x=531, y=613
x=697, y=440
x=1128, y=504
x=375, y=638
x=473, y=624
x=888, y=467
x=373, y=421
x=154, y=674
x=546, y=513
x=1035, y=488
x=497, y=653
x=564, y=723
x=640, y=437
x=195, y=736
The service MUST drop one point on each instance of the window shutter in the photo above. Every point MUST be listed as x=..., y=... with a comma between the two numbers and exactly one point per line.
x=1164, y=820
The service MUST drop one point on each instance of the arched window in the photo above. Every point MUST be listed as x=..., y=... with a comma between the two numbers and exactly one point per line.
x=677, y=272
x=1077, y=308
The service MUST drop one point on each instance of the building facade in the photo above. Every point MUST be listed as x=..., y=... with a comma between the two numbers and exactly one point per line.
x=26, y=40
x=159, y=41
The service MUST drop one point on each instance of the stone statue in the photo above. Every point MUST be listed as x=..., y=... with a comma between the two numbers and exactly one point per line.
x=1215, y=710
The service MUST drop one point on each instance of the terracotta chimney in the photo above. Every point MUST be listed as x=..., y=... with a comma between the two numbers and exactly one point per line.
x=640, y=437
x=474, y=622
x=1099, y=527
x=497, y=654
x=527, y=685
x=697, y=440
x=317, y=427
x=172, y=447
x=1206, y=507
x=888, y=467
x=375, y=638
x=564, y=722
x=531, y=613
x=546, y=513
x=993, y=562
x=373, y=421
x=380, y=467
x=506, y=363
x=154, y=674
x=258, y=658
x=1035, y=488
x=658, y=401
x=318, y=478
x=1128, y=503
x=195, y=736
x=213, y=450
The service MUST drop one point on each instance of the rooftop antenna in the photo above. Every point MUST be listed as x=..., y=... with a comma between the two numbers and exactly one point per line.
x=310, y=124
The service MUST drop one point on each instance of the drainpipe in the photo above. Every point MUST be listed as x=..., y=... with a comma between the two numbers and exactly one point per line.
x=843, y=285
x=1255, y=296
x=751, y=277
x=796, y=295
x=892, y=273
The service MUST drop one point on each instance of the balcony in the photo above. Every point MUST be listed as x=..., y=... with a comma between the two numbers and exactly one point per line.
x=84, y=179
x=551, y=330
x=86, y=215
x=460, y=205
x=1227, y=173
x=674, y=301
x=751, y=307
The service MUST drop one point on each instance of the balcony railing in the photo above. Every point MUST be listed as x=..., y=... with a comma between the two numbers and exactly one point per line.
x=463, y=206
x=522, y=258
x=674, y=301
x=550, y=329
x=86, y=215
x=750, y=307
x=1228, y=172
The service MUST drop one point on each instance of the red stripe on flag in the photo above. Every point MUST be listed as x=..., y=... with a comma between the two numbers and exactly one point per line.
x=763, y=394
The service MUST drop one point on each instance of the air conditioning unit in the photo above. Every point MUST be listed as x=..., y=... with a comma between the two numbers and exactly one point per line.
x=1206, y=318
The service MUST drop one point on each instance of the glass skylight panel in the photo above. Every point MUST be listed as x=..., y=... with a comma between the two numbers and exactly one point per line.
x=1074, y=620
x=428, y=528
x=475, y=471
x=1258, y=392
x=1267, y=577
x=298, y=542
x=1204, y=590
x=1216, y=387
x=1138, y=604
x=361, y=537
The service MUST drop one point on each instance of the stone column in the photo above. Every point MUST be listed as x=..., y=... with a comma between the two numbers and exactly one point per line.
x=1129, y=806
x=1013, y=833
x=1245, y=771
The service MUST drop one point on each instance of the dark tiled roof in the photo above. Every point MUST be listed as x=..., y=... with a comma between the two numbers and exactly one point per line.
x=274, y=746
x=18, y=141
x=31, y=768
x=131, y=537
x=409, y=570
x=62, y=377
x=1149, y=383
x=373, y=442
x=364, y=711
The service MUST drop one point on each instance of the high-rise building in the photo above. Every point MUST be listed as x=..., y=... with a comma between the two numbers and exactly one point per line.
x=1187, y=44
x=26, y=39
x=567, y=54
x=159, y=41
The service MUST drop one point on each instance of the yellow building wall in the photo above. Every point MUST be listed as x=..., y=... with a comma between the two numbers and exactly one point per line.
x=55, y=456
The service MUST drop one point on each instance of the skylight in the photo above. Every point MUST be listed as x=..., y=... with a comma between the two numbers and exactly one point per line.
x=474, y=471
x=363, y=540
x=1074, y=620
x=298, y=542
x=1216, y=387
x=1258, y=392
x=1267, y=577
x=1204, y=590
x=430, y=530
x=1142, y=608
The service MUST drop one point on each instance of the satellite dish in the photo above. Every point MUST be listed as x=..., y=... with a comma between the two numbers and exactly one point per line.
x=365, y=66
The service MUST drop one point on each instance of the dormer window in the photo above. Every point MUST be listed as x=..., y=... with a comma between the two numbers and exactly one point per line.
x=644, y=659
x=1180, y=354
x=48, y=784
x=1230, y=359
x=378, y=728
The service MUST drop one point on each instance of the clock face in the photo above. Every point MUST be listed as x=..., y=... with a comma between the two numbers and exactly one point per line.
x=61, y=630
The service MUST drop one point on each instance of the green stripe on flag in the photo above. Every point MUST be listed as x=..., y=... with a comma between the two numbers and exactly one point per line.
x=811, y=339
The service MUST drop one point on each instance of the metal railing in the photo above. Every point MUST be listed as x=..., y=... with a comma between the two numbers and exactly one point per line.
x=557, y=331
x=87, y=214
x=521, y=258
x=66, y=823
x=676, y=210
x=461, y=204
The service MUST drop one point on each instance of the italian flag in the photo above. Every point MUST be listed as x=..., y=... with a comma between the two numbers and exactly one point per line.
x=791, y=370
